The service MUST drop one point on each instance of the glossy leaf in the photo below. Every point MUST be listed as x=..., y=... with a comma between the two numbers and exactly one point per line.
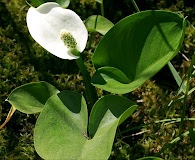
x=139, y=46
x=97, y=23
x=109, y=112
x=61, y=128
x=31, y=98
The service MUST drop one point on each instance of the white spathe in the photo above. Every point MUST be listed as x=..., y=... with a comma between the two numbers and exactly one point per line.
x=45, y=24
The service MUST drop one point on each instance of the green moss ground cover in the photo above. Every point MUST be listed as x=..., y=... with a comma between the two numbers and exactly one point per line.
x=22, y=61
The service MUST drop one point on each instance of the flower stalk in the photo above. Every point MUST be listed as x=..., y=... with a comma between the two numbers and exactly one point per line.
x=90, y=91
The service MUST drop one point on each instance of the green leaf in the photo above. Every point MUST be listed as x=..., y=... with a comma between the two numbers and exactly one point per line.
x=110, y=74
x=99, y=1
x=97, y=23
x=139, y=46
x=150, y=158
x=61, y=128
x=107, y=109
x=106, y=115
x=31, y=98
x=177, y=78
x=36, y=3
x=63, y=3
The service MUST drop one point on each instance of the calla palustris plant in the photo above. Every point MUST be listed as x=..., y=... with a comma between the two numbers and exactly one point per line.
x=130, y=53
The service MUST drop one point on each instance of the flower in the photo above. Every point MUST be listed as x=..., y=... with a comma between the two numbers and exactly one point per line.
x=60, y=31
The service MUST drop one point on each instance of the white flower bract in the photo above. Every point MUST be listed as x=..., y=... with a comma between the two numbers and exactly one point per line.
x=46, y=25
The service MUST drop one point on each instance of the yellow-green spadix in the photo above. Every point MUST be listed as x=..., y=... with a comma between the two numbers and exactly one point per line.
x=60, y=31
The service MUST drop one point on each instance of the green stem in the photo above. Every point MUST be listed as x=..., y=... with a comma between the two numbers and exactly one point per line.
x=91, y=94
x=92, y=33
x=90, y=39
x=102, y=8
x=135, y=5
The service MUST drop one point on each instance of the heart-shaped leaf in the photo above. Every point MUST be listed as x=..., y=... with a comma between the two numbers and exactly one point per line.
x=97, y=23
x=31, y=98
x=109, y=112
x=139, y=46
x=61, y=128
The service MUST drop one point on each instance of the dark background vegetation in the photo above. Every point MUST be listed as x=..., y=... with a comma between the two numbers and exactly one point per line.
x=23, y=61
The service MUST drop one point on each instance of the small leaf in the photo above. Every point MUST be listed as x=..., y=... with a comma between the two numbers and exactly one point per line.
x=30, y=98
x=139, y=46
x=99, y=24
x=63, y=3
